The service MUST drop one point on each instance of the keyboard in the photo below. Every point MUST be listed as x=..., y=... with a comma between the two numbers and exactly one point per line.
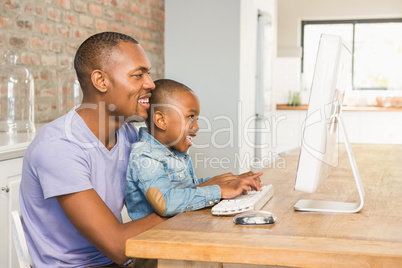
x=253, y=200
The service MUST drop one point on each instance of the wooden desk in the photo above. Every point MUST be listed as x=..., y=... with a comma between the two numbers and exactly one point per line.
x=370, y=238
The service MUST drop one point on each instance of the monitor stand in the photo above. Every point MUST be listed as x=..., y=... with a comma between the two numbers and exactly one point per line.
x=331, y=206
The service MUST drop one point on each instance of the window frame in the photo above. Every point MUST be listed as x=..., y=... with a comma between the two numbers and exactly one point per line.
x=349, y=21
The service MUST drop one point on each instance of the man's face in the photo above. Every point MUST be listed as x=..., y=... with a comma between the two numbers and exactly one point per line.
x=130, y=85
x=181, y=120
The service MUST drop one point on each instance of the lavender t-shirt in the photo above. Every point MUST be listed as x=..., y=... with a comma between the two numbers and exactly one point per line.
x=66, y=157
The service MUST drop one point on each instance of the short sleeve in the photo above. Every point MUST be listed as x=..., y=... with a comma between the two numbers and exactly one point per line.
x=62, y=168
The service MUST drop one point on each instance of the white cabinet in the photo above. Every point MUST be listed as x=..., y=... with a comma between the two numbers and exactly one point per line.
x=10, y=178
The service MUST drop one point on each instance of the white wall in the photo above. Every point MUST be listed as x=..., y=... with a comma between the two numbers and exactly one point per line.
x=210, y=47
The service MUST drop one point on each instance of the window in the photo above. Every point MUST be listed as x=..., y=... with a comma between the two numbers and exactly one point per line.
x=376, y=46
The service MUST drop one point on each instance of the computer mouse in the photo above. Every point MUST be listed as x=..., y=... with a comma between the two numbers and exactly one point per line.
x=255, y=218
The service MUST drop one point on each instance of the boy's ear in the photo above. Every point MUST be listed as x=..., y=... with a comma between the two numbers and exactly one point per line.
x=99, y=80
x=159, y=120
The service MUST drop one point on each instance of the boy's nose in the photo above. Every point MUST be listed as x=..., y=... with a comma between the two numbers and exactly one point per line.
x=195, y=126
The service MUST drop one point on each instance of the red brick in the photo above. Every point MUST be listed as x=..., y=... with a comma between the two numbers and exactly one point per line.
x=54, y=14
x=144, y=23
x=114, y=27
x=72, y=48
x=153, y=25
x=56, y=47
x=80, y=6
x=145, y=12
x=11, y=4
x=102, y=2
x=20, y=42
x=109, y=13
x=136, y=33
x=101, y=24
x=133, y=20
x=64, y=3
x=127, y=30
x=44, y=28
x=66, y=61
x=37, y=43
x=136, y=8
x=158, y=15
x=146, y=36
x=80, y=33
x=30, y=58
x=120, y=16
x=86, y=20
x=44, y=74
x=95, y=9
x=114, y=3
x=5, y=22
x=71, y=18
x=33, y=9
x=49, y=60
x=23, y=24
x=63, y=31
x=126, y=5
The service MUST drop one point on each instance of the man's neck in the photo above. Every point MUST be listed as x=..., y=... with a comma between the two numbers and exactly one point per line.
x=101, y=124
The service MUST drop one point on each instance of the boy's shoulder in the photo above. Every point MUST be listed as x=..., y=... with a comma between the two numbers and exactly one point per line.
x=147, y=146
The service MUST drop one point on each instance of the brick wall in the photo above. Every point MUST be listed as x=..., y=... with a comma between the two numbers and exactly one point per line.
x=46, y=33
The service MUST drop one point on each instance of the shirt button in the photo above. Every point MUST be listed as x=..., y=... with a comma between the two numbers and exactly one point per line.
x=181, y=175
x=216, y=200
x=211, y=203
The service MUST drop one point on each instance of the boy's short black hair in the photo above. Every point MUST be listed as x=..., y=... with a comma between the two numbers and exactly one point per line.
x=163, y=93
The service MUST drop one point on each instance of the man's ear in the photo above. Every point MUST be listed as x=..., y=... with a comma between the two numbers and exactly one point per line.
x=159, y=120
x=99, y=80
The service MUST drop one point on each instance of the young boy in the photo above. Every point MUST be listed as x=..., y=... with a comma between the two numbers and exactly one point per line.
x=160, y=175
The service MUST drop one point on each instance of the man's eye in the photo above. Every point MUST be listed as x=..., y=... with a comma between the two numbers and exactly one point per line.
x=191, y=116
x=138, y=75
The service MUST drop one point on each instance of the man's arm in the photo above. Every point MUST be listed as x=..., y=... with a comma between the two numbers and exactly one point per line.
x=96, y=222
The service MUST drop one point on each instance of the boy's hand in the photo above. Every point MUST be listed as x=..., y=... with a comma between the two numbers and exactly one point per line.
x=232, y=185
x=245, y=182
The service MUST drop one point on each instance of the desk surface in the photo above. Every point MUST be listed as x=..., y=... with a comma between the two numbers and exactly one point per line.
x=370, y=238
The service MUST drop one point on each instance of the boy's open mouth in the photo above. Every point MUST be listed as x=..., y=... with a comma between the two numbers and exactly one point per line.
x=190, y=139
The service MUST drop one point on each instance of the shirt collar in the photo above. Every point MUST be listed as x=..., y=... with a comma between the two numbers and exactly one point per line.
x=156, y=145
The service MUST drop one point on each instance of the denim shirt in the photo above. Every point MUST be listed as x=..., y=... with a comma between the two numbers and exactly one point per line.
x=154, y=168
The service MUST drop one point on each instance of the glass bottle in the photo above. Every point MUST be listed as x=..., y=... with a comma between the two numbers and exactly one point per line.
x=16, y=96
x=69, y=91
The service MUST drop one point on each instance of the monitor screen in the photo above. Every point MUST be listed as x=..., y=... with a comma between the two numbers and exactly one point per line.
x=332, y=77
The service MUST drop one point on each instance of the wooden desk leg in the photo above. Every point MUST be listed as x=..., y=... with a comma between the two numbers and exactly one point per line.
x=187, y=264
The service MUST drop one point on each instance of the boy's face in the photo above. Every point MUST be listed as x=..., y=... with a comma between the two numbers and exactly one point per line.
x=181, y=120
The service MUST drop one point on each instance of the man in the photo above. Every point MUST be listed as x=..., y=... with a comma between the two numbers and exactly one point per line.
x=73, y=177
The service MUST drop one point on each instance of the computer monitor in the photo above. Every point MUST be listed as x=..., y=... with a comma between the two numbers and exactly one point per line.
x=332, y=77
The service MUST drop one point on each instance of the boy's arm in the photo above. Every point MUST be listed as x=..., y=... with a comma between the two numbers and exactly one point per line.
x=95, y=221
x=166, y=197
x=232, y=185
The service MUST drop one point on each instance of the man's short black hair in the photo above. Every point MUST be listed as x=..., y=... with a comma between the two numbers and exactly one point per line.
x=94, y=52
